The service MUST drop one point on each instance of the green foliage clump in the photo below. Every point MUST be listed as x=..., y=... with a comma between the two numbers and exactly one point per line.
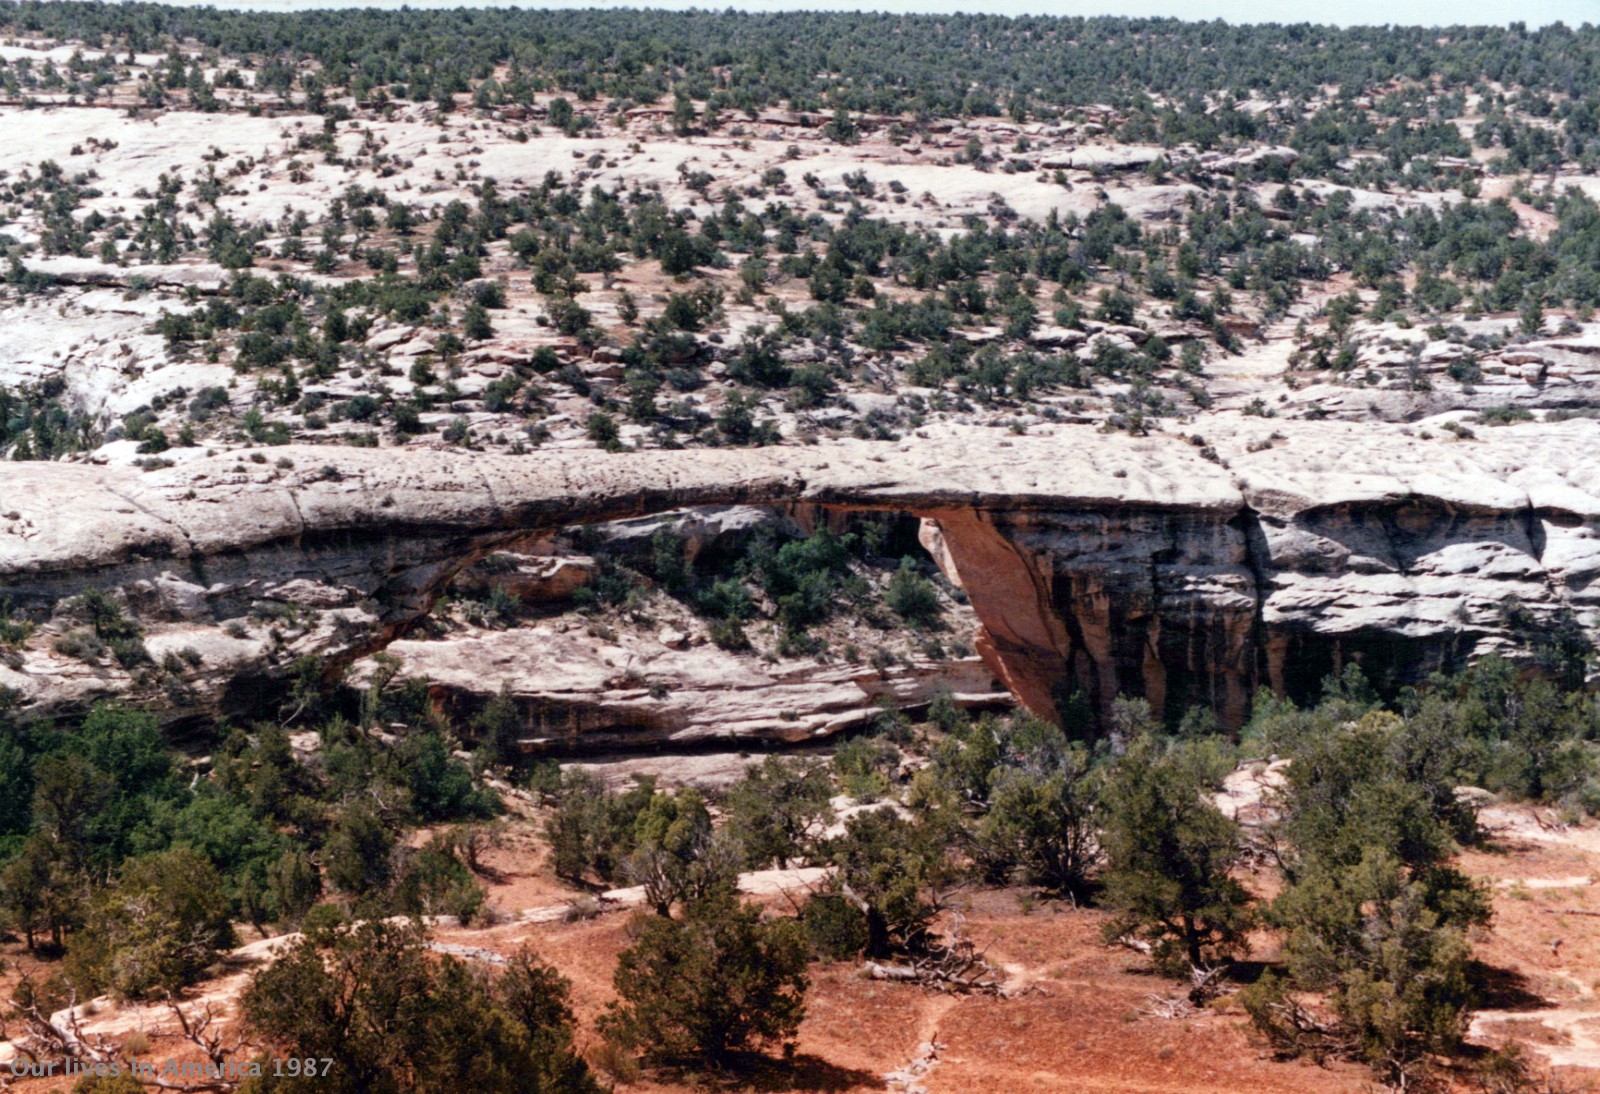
x=913, y=596
x=1170, y=854
x=662, y=841
x=397, y=1019
x=434, y=881
x=162, y=922
x=835, y=927
x=357, y=855
x=442, y=787
x=892, y=868
x=718, y=981
x=591, y=830
x=1026, y=795
x=779, y=810
x=865, y=766
x=676, y=855
x=805, y=577
x=1373, y=916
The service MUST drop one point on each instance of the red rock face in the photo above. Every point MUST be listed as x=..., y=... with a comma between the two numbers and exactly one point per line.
x=1156, y=603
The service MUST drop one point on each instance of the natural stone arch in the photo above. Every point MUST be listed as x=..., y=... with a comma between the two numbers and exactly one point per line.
x=1095, y=562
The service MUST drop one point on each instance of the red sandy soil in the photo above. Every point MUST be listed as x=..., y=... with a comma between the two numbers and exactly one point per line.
x=1081, y=1020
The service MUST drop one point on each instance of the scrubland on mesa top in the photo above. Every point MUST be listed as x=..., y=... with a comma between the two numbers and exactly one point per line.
x=629, y=550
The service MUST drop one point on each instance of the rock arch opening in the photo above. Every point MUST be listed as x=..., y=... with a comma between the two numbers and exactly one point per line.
x=632, y=634
x=1095, y=564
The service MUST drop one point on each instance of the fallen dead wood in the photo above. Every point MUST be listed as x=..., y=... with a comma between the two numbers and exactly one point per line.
x=1157, y=1005
x=1205, y=984
x=957, y=966
x=59, y=1038
x=931, y=975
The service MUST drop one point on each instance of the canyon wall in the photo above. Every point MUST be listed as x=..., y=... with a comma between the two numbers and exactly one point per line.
x=1183, y=570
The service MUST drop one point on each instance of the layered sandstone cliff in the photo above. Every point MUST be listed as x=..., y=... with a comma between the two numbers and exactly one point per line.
x=1267, y=554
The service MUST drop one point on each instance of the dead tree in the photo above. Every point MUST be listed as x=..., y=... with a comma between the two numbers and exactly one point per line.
x=1293, y=1030
x=54, y=1038
x=1205, y=984
x=60, y=1038
x=199, y=1029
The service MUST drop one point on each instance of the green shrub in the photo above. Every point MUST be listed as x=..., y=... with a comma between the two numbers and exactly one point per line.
x=864, y=766
x=836, y=928
x=400, y=1020
x=718, y=981
x=434, y=881
x=603, y=430
x=728, y=634
x=155, y=930
x=779, y=809
x=912, y=596
x=894, y=865
x=81, y=645
x=1169, y=859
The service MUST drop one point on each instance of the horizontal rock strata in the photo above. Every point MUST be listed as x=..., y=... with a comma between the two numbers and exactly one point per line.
x=1095, y=562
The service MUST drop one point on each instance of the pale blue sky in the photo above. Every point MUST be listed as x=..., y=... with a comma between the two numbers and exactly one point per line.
x=1342, y=12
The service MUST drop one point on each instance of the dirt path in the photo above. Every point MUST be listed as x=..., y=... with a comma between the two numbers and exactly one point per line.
x=907, y=1079
x=1546, y=931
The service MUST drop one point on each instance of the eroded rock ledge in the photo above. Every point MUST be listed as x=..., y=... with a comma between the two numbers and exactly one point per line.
x=1096, y=562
